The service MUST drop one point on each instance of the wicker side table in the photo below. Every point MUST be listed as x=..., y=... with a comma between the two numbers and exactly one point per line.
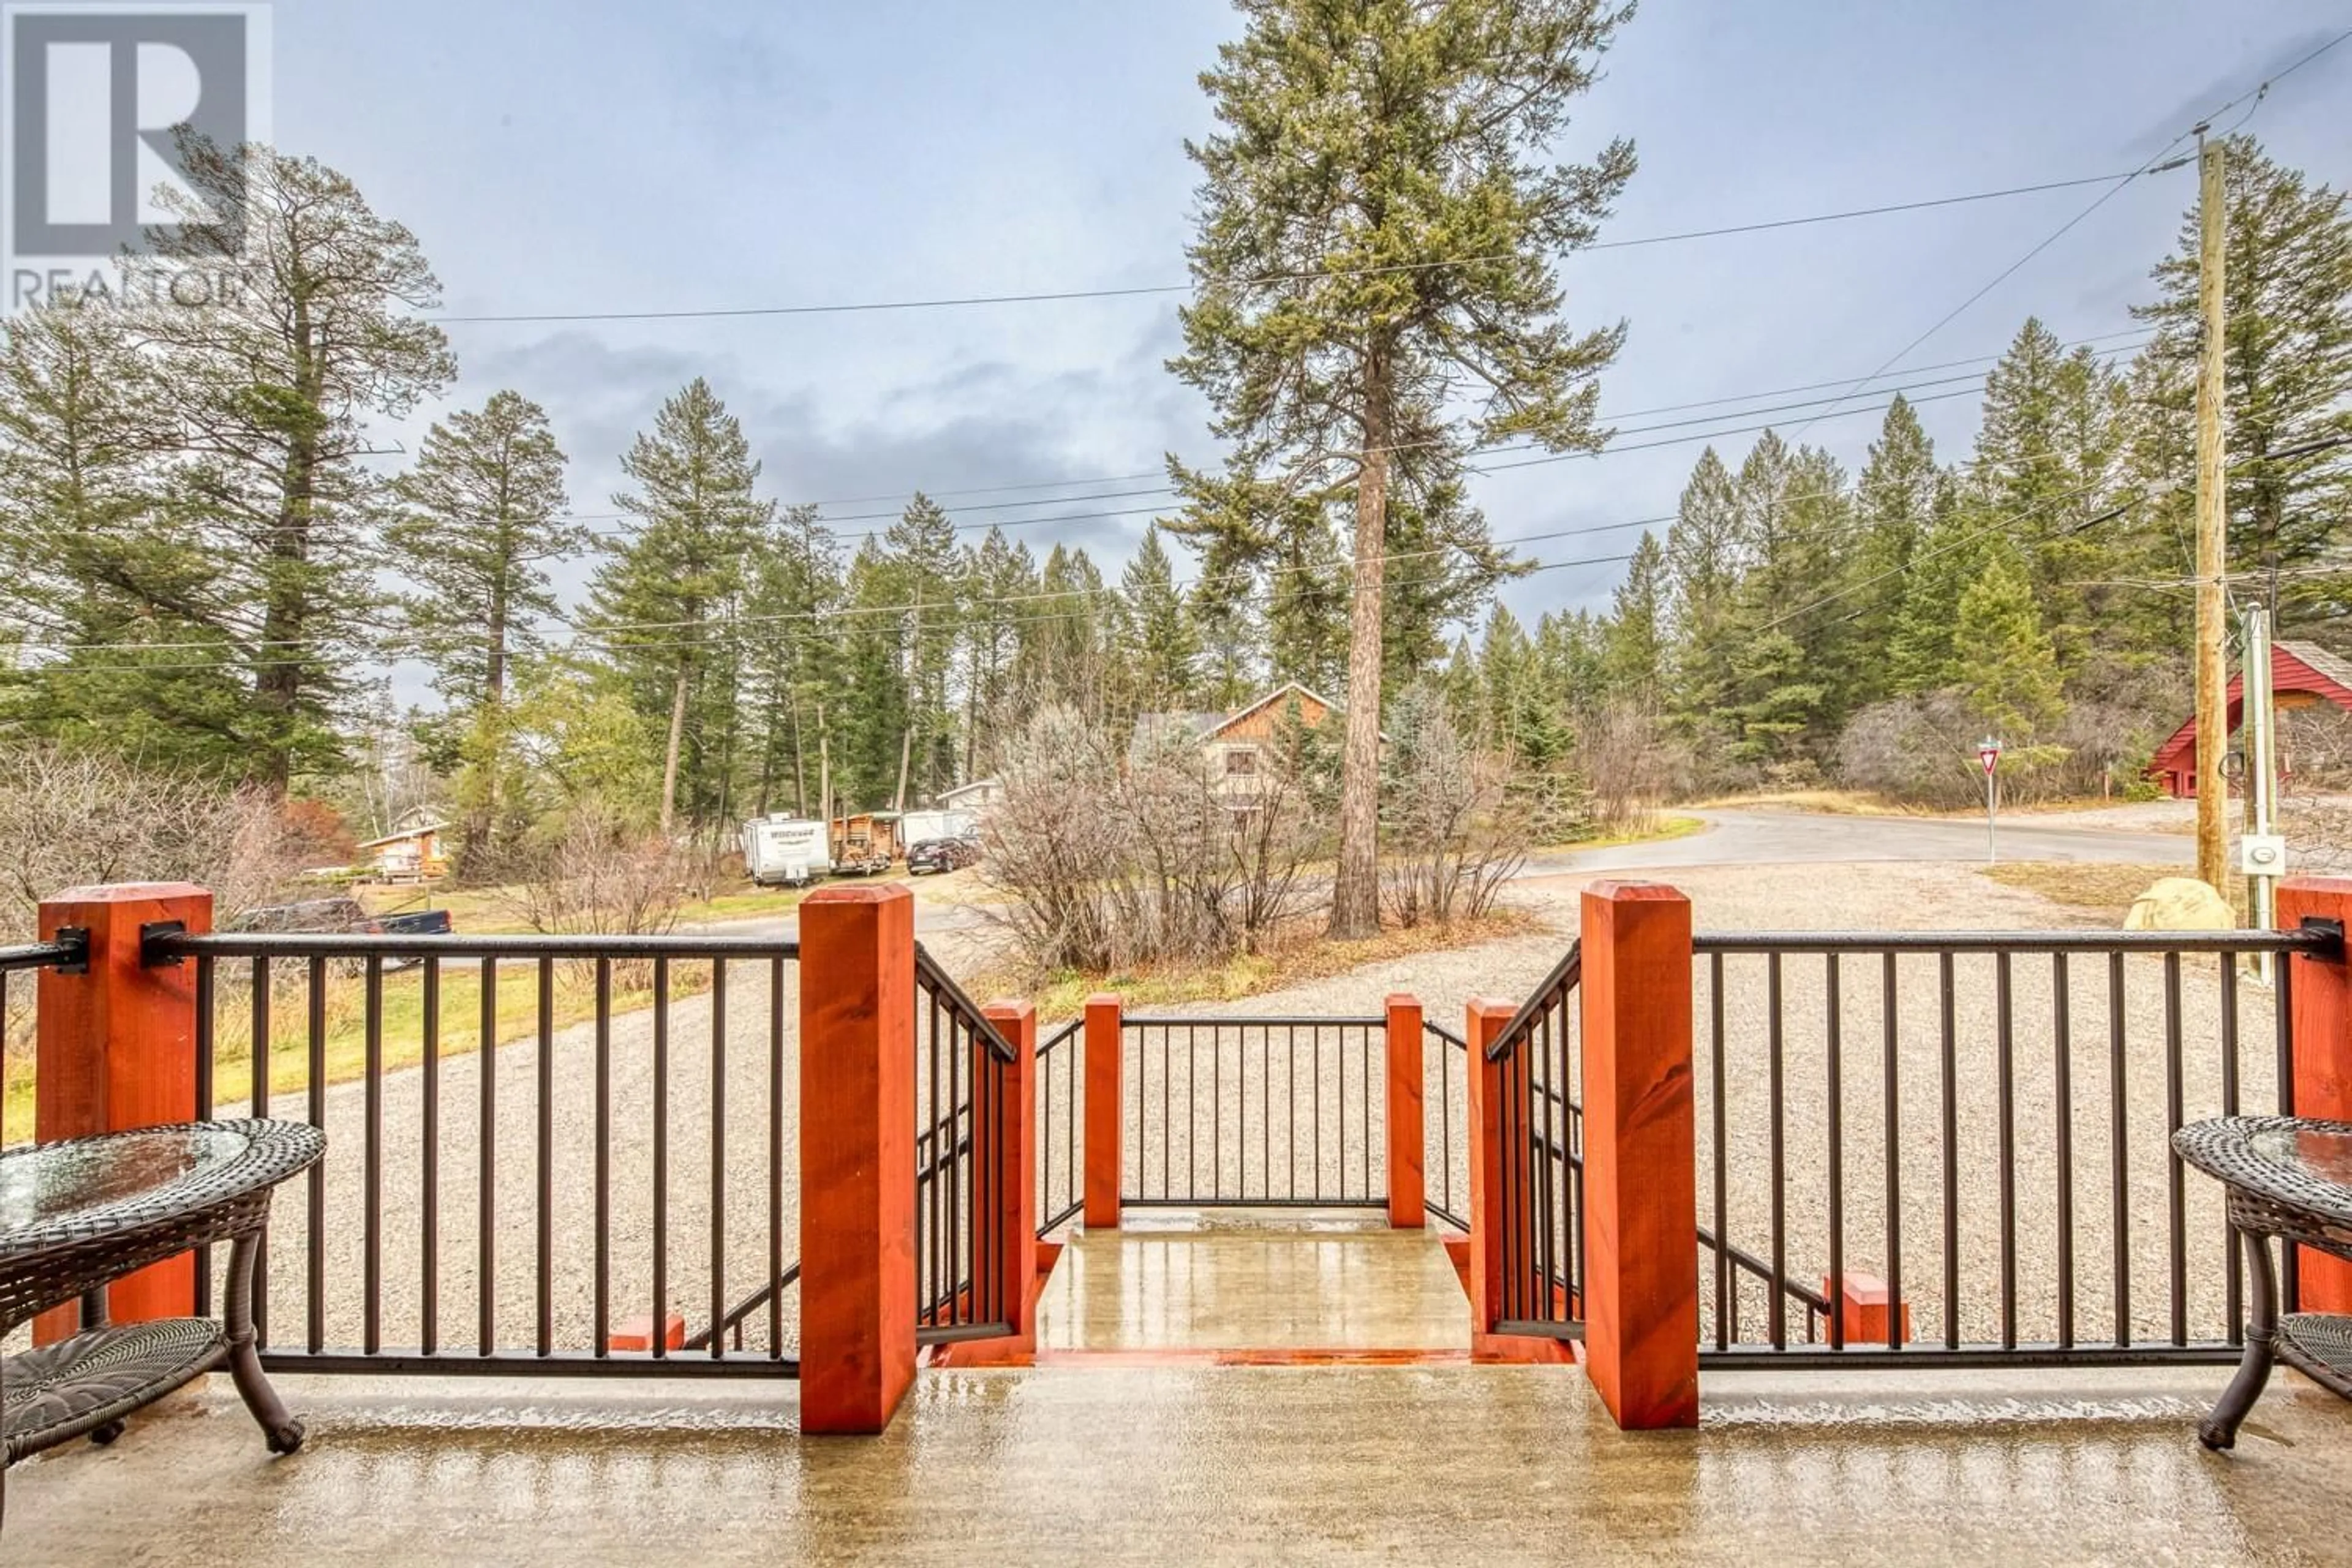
x=2288, y=1179
x=76, y=1216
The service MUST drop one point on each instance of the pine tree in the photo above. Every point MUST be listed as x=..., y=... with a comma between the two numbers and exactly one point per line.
x=481, y=513
x=666, y=601
x=2287, y=376
x=1633, y=660
x=927, y=566
x=1706, y=559
x=274, y=386
x=874, y=698
x=1062, y=651
x=1894, y=506
x=1788, y=625
x=2010, y=674
x=2044, y=468
x=792, y=612
x=1356, y=144
x=1161, y=651
x=122, y=612
x=1923, y=657
x=1001, y=587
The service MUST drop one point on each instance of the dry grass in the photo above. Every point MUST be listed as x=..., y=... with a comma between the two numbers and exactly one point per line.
x=2104, y=890
x=1307, y=956
x=1829, y=802
x=344, y=1042
x=1664, y=829
x=491, y=911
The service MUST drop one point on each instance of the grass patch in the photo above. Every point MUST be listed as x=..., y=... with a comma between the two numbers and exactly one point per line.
x=344, y=1037
x=1829, y=802
x=495, y=911
x=1666, y=830
x=2105, y=891
x=1310, y=956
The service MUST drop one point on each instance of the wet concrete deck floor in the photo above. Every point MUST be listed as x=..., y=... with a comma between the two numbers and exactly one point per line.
x=1115, y=1459
x=1264, y=1280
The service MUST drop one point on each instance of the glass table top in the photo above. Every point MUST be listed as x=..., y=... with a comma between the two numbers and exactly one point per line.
x=2321, y=1153
x=56, y=1182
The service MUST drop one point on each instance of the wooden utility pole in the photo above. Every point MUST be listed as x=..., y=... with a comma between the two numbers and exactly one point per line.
x=2213, y=526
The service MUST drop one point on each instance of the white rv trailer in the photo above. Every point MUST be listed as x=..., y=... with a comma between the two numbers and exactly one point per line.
x=785, y=851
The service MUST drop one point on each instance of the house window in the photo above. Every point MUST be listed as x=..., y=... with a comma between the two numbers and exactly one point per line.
x=1240, y=763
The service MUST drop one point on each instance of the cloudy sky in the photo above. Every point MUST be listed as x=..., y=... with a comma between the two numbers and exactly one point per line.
x=601, y=157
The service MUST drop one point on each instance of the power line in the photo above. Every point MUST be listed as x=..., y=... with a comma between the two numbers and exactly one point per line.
x=2153, y=165
x=1909, y=391
x=1058, y=296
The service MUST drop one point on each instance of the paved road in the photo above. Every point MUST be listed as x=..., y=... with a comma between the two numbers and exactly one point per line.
x=1797, y=837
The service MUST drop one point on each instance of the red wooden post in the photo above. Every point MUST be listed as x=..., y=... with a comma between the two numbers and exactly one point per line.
x=1104, y=1045
x=116, y=1050
x=1869, y=1309
x=1488, y=1082
x=1407, y=1208
x=2321, y=1034
x=1013, y=1160
x=1493, y=1219
x=1641, y=1177
x=858, y=1156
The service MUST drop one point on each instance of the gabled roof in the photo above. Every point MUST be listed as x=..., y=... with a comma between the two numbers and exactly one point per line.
x=405, y=834
x=1280, y=694
x=2294, y=666
x=1154, y=730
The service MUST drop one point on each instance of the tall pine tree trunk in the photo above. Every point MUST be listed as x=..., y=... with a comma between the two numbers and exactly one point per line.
x=676, y=742
x=1356, y=890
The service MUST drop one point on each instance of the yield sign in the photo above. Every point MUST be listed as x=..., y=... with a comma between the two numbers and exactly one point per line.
x=1990, y=754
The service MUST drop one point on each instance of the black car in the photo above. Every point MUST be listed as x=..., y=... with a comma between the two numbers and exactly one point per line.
x=941, y=855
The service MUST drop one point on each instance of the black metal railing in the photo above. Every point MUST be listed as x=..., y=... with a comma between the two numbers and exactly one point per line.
x=1061, y=1106
x=532, y=1141
x=1445, y=1135
x=961, y=1115
x=21, y=963
x=1982, y=1122
x=1254, y=1112
x=1539, y=1194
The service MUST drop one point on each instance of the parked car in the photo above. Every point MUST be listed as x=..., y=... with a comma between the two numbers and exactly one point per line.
x=342, y=917
x=941, y=855
x=327, y=916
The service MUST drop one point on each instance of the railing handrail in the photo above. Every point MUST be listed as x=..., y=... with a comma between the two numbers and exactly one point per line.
x=2319, y=938
x=743, y=1310
x=1330, y=1021
x=941, y=984
x=1565, y=976
x=1431, y=1027
x=372, y=944
x=71, y=947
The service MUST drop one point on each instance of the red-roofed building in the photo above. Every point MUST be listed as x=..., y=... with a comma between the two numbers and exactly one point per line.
x=2301, y=676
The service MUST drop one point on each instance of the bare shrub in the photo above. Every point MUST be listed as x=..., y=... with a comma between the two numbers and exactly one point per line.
x=1630, y=763
x=1917, y=750
x=74, y=818
x=1921, y=751
x=597, y=875
x=1451, y=835
x=1108, y=863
